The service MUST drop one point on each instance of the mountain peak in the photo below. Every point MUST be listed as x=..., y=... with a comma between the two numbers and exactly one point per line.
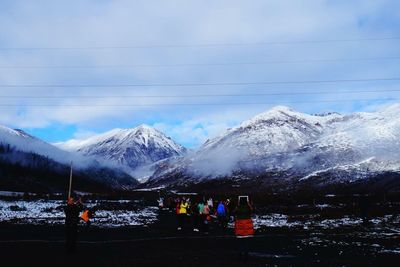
x=9, y=130
x=276, y=113
x=133, y=147
x=16, y=133
x=22, y=141
x=146, y=129
x=280, y=109
x=291, y=144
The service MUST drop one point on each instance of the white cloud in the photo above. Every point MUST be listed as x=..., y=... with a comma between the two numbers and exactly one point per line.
x=83, y=134
x=124, y=23
x=192, y=133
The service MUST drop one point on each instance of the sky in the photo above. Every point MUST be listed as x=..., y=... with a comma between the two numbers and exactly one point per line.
x=192, y=69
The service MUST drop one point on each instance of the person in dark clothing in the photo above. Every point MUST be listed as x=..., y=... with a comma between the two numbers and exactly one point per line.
x=170, y=204
x=364, y=208
x=195, y=215
x=72, y=211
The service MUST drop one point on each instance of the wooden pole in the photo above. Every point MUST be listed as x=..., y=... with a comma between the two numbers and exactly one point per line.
x=70, y=182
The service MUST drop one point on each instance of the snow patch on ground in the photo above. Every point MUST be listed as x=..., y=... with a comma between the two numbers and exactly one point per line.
x=52, y=212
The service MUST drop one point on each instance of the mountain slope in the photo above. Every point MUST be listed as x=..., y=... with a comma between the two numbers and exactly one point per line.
x=279, y=130
x=29, y=163
x=132, y=148
x=22, y=141
x=294, y=146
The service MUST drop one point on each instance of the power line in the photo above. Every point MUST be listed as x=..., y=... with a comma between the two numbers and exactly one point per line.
x=197, y=95
x=196, y=84
x=292, y=42
x=194, y=104
x=201, y=64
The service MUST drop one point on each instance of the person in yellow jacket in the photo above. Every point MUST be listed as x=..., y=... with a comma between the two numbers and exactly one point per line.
x=183, y=208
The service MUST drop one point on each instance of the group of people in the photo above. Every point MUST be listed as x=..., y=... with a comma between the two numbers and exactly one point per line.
x=197, y=215
x=200, y=213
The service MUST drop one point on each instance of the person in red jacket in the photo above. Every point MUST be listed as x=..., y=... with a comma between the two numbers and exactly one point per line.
x=244, y=227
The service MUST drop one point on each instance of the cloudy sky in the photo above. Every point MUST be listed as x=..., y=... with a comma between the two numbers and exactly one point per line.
x=70, y=69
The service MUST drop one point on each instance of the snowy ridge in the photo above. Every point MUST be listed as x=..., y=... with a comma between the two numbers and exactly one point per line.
x=258, y=140
x=131, y=148
x=280, y=141
x=300, y=145
x=344, y=167
x=277, y=130
x=42, y=165
x=27, y=143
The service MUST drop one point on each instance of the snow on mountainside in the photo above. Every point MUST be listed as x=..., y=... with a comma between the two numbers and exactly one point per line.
x=131, y=148
x=27, y=143
x=278, y=130
x=259, y=142
x=30, y=164
x=299, y=145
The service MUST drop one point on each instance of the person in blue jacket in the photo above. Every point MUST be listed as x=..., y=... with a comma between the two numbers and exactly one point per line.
x=222, y=215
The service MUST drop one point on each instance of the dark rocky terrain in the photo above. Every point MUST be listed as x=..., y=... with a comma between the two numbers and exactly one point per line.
x=324, y=231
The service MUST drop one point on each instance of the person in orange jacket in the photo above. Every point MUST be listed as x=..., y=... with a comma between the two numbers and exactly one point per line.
x=243, y=222
x=244, y=227
x=86, y=216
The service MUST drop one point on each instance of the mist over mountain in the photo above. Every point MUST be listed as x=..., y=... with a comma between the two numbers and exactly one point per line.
x=278, y=146
x=295, y=146
x=30, y=164
x=22, y=141
x=133, y=149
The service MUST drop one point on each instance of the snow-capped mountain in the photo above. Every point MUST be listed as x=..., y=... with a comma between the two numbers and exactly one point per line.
x=279, y=144
x=28, y=163
x=27, y=143
x=279, y=130
x=131, y=148
x=297, y=146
